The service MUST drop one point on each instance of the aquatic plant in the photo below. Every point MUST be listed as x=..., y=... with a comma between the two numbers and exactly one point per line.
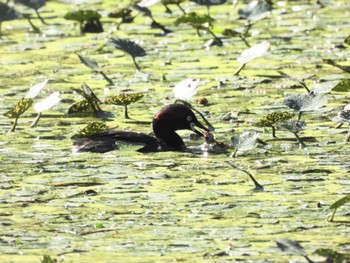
x=272, y=119
x=146, y=12
x=305, y=102
x=186, y=89
x=15, y=112
x=251, y=54
x=295, y=127
x=130, y=47
x=91, y=129
x=45, y=105
x=82, y=16
x=342, y=201
x=209, y=3
x=90, y=104
x=124, y=14
x=124, y=99
x=34, y=4
x=199, y=22
x=245, y=141
x=92, y=64
x=344, y=117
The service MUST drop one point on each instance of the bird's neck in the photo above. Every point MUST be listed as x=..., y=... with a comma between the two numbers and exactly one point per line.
x=170, y=138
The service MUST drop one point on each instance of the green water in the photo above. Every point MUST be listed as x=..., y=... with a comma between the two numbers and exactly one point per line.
x=124, y=206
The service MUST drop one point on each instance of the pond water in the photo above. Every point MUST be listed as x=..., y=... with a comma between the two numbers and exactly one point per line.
x=125, y=206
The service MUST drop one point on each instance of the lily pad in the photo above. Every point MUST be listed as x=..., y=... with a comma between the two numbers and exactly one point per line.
x=124, y=99
x=21, y=107
x=342, y=86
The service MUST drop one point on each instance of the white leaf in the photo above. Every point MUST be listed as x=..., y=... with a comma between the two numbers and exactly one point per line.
x=186, y=89
x=324, y=87
x=148, y=3
x=253, y=52
x=245, y=141
x=34, y=91
x=47, y=103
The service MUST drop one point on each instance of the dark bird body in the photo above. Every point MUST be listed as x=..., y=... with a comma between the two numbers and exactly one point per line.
x=165, y=124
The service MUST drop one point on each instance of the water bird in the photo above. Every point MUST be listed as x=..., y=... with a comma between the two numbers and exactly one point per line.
x=165, y=123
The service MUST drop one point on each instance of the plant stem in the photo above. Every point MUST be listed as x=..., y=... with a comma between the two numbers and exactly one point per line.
x=126, y=115
x=180, y=7
x=274, y=132
x=218, y=40
x=110, y=82
x=244, y=40
x=299, y=140
x=137, y=66
x=347, y=138
x=35, y=122
x=239, y=69
x=299, y=116
x=35, y=29
x=40, y=18
x=257, y=185
x=14, y=125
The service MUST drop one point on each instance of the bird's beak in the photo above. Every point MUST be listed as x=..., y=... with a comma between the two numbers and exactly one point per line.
x=198, y=128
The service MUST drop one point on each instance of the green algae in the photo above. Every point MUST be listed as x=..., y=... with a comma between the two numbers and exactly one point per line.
x=165, y=207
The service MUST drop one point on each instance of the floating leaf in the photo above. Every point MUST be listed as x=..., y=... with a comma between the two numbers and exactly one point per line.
x=291, y=246
x=339, y=203
x=186, y=89
x=90, y=63
x=124, y=99
x=91, y=129
x=82, y=15
x=47, y=103
x=253, y=52
x=342, y=86
x=128, y=46
x=332, y=256
x=34, y=91
x=305, y=102
x=21, y=107
x=81, y=106
x=272, y=118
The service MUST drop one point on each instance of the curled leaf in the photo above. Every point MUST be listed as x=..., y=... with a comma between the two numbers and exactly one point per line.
x=47, y=103
x=90, y=63
x=81, y=106
x=82, y=15
x=91, y=129
x=194, y=20
x=21, y=107
x=305, y=102
x=272, y=118
x=124, y=98
x=186, y=89
x=245, y=141
x=342, y=86
x=34, y=91
x=128, y=46
x=253, y=52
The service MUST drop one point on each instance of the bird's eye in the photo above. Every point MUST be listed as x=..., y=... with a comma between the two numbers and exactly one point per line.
x=189, y=118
